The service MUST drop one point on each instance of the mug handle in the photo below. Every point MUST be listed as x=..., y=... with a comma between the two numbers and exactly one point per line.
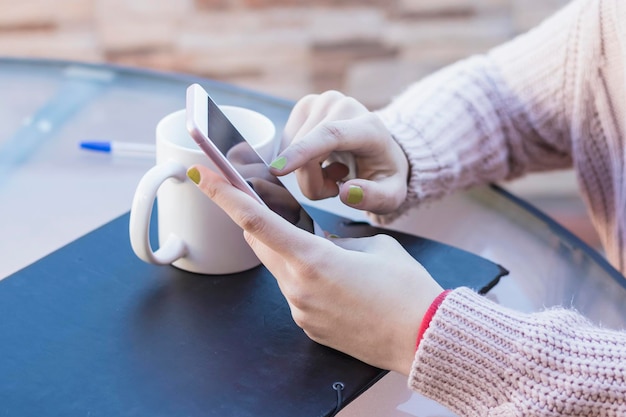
x=141, y=213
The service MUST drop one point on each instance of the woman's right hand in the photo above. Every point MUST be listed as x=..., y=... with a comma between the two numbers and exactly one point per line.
x=365, y=297
x=322, y=125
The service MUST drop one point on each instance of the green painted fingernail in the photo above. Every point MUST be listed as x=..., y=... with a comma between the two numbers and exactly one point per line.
x=279, y=163
x=355, y=194
x=194, y=175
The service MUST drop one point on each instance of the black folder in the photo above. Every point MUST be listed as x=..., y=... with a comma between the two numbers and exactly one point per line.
x=90, y=330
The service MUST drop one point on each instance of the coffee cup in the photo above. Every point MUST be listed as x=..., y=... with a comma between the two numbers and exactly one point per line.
x=194, y=234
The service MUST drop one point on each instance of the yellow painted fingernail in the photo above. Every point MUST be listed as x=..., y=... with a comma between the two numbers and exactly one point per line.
x=194, y=174
x=355, y=194
x=279, y=163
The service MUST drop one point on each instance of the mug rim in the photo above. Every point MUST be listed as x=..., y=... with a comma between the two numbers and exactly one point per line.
x=195, y=149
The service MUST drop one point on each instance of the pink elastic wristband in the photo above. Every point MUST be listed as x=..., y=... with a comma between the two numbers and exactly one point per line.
x=428, y=316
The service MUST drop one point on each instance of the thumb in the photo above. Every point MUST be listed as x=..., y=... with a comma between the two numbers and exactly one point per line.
x=379, y=196
x=380, y=243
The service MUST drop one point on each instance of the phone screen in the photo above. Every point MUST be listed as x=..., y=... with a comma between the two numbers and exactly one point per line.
x=249, y=164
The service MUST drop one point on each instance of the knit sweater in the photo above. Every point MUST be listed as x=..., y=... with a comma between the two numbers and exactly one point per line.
x=552, y=98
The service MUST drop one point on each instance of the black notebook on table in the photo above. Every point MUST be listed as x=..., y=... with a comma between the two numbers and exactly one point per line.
x=90, y=330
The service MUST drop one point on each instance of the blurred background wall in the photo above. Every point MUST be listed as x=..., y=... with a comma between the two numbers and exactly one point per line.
x=366, y=48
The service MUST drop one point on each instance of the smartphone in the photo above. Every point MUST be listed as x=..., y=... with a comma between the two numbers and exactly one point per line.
x=237, y=160
x=217, y=137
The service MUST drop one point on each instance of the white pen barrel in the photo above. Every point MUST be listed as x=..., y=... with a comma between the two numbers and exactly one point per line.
x=128, y=147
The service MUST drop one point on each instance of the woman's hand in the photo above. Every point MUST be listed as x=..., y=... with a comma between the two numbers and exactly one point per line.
x=365, y=297
x=322, y=125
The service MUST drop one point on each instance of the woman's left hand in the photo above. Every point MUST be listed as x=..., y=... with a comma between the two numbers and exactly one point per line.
x=325, y=129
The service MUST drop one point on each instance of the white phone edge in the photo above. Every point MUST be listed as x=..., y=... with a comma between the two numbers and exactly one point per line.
x=196, y=117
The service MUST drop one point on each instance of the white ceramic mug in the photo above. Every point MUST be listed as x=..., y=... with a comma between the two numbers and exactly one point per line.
x=194, y=234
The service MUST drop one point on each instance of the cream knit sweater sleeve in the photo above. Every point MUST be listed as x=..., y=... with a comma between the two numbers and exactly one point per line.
x=480, y=359
x=552, y=98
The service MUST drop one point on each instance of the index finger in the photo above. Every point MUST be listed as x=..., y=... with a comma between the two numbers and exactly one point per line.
x=256, y=219
x=356, y=135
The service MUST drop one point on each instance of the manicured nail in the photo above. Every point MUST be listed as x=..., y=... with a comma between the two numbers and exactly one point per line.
x=279, y=163
x=194, y=174
x=355, y=194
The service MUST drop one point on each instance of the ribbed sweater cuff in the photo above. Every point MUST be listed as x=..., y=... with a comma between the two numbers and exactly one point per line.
x=450, y=128
x=423, y=163
x=430, y=313
x=465, y=353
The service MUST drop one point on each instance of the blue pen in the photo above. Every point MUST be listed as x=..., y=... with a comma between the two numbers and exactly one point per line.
x=120, y=148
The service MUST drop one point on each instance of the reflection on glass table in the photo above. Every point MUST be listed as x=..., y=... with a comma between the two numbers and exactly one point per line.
x=52, y=192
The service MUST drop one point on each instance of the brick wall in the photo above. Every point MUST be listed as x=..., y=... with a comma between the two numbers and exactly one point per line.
x=367, y=48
